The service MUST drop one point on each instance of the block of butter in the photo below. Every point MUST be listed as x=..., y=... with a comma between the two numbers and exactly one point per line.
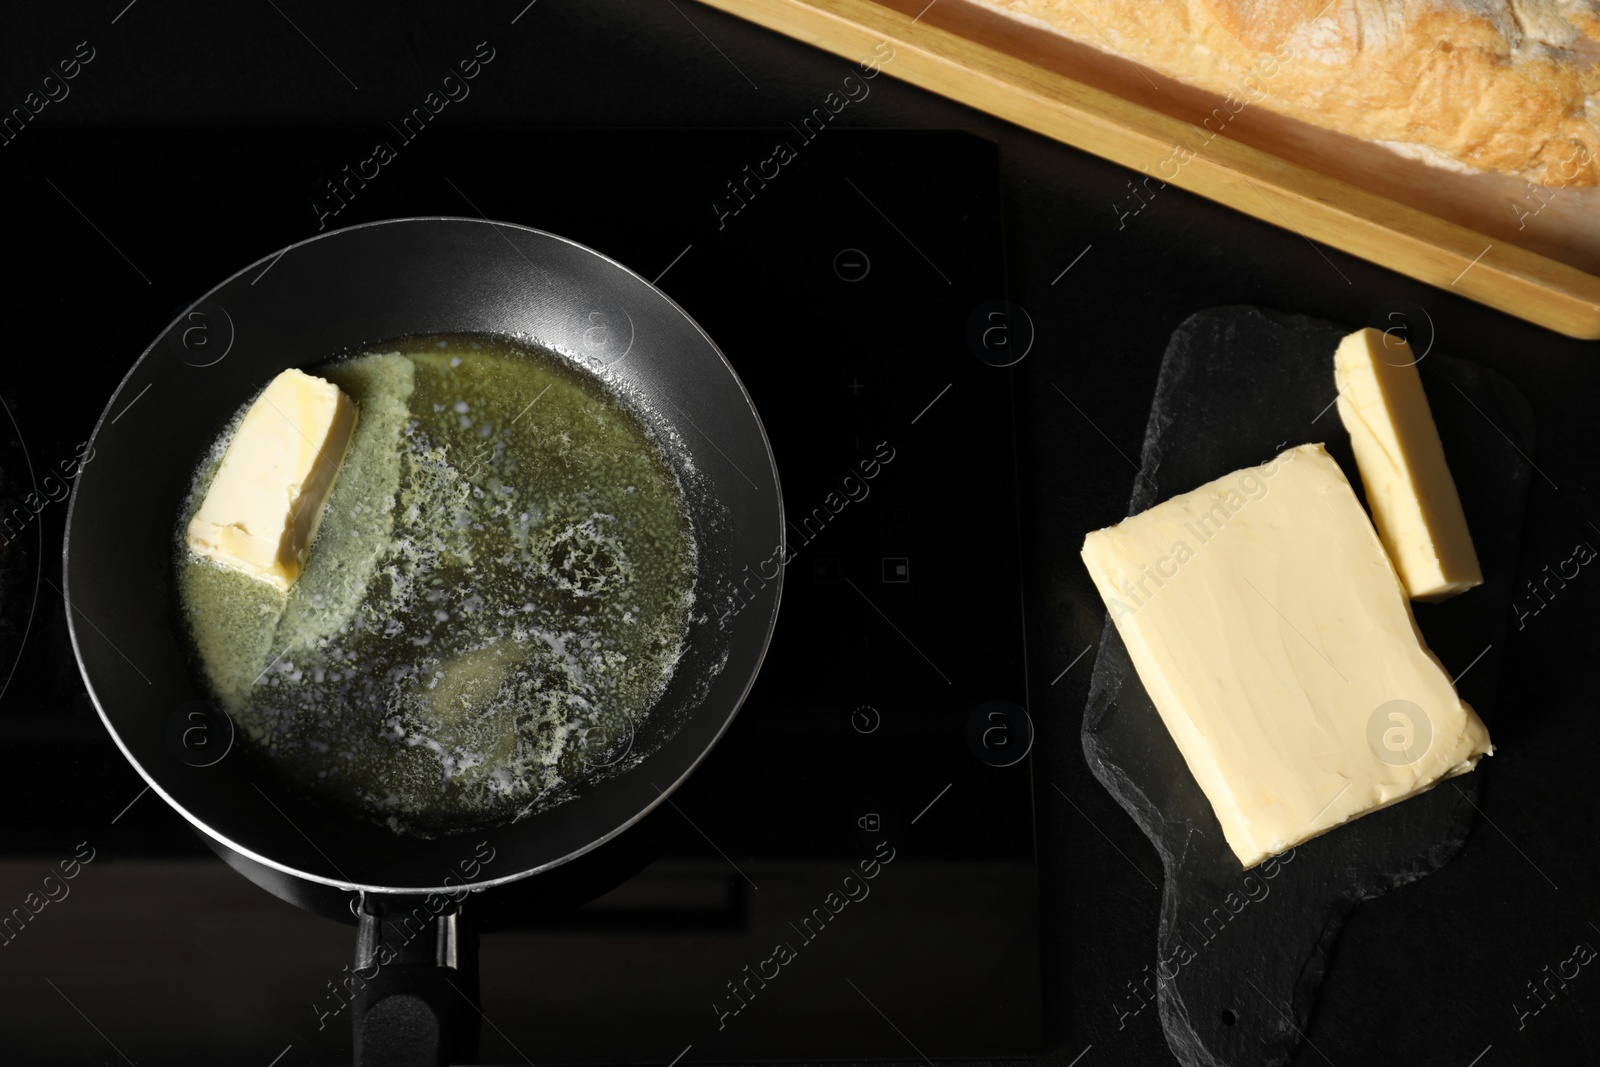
x=1275, y=640
x=1409, y=489
x=264, y=505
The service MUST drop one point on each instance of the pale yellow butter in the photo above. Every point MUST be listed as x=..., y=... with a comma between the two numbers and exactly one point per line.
x=1409, y=489
x=1273, y=636
x=265, y=503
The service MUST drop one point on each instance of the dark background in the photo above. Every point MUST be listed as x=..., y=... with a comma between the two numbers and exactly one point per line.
x=1430, y=974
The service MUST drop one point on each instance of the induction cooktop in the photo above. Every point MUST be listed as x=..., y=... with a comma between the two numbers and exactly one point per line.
x=856, y=282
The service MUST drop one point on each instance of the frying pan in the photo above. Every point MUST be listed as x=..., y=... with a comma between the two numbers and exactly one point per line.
x=312, y=301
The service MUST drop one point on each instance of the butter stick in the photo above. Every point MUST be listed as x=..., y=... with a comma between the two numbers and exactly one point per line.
x=265, y=503
x=1413, y=499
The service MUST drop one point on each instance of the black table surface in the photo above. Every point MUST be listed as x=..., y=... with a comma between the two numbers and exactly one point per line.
x=1474, y=964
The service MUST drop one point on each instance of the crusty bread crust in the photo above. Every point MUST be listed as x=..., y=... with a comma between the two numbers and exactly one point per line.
x=1511, y=86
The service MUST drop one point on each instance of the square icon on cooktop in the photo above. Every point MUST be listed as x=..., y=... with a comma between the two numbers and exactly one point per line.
x=896, y=569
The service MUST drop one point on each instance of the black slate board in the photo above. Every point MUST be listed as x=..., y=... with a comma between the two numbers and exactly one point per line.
x=1241, y=954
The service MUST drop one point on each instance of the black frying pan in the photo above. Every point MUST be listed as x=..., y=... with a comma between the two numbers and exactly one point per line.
x=312, y=301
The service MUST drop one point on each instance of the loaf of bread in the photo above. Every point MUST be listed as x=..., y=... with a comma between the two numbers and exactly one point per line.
x=1508, y=86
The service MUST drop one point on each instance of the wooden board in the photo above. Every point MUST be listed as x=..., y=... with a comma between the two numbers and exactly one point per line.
x=1530, y=252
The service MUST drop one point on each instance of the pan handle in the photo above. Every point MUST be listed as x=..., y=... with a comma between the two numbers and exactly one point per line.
x=417, y=1002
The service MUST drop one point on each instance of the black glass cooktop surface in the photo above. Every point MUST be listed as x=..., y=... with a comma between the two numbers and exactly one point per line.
x=856, y=283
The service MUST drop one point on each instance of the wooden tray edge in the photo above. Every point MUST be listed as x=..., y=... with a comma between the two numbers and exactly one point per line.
x=1444, y=254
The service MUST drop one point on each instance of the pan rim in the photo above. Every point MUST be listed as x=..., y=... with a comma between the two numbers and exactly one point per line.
x=446, y=890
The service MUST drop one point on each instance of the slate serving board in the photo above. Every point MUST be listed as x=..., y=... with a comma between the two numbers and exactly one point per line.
x=1241, y=953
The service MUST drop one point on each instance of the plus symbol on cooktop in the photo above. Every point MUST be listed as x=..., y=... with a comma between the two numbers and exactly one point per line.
x=854, y=386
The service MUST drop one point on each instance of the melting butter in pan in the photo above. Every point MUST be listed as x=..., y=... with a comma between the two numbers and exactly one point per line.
x=261, y=511
x=498, y=593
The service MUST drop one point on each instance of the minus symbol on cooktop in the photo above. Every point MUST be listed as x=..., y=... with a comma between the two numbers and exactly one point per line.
x=851, y=265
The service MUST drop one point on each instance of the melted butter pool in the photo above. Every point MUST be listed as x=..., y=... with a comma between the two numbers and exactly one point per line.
x=498, y=593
